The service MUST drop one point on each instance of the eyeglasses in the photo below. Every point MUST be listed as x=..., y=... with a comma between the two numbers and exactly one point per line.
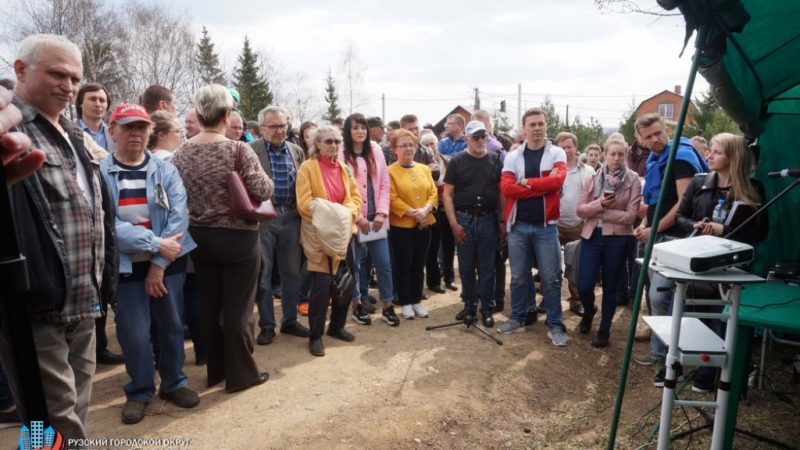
x=278, y=127
x=332, y=141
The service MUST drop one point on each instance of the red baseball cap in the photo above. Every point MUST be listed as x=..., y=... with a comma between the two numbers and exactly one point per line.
x=128, y=113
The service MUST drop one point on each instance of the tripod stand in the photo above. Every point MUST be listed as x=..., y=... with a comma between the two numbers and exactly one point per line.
x=470, y=316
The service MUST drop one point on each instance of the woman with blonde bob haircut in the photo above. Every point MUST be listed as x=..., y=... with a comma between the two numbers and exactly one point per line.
x=609, y=203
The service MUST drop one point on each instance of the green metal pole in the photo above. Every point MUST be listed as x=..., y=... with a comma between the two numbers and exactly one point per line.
x=623, y=378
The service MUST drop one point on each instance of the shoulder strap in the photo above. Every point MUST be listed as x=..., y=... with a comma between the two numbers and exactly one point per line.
x=237, y=165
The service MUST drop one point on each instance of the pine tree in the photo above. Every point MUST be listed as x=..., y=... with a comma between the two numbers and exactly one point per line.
x=332, y=99
x=250, y=82
x=628, y=123
x=207, y=61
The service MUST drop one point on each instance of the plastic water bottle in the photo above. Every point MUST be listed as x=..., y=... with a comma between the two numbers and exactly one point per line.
x=719, y=212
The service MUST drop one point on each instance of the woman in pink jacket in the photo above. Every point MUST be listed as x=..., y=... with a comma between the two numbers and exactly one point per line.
x=608, y=204
x=368, y=166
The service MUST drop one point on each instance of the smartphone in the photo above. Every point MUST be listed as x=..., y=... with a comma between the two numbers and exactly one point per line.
x=608, y=194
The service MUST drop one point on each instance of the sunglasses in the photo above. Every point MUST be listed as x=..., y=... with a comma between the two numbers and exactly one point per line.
x=332, y=141
x=479, y=137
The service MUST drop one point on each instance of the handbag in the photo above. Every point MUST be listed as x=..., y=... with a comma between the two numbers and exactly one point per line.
x=241, y=205
x=342, y=283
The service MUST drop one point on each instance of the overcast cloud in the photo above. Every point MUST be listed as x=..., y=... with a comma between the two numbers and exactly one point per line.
x=428, y=56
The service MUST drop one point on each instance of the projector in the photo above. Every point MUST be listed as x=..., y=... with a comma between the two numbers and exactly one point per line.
x=701, y=254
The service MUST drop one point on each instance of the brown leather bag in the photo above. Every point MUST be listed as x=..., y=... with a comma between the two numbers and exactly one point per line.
x=241, y=205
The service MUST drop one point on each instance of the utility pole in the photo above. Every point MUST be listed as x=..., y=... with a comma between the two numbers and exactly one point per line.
x=383, y=107
x=567, y=122
x=519, y=106
x=477, y=99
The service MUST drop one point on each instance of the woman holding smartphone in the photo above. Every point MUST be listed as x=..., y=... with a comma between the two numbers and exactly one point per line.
x=609, y=203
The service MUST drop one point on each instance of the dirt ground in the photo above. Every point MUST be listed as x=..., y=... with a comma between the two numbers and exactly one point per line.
x=407, y=388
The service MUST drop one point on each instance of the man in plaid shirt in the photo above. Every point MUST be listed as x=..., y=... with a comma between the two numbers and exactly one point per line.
x=65, y=228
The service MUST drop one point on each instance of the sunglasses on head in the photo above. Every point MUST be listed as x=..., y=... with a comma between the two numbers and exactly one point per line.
x=332, y=141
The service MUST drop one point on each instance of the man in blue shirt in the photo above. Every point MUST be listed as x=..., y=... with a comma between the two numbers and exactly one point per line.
x=92, y=103
x=454, y=142
x=280, y=160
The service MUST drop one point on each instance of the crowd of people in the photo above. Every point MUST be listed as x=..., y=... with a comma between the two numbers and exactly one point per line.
x=135, y=213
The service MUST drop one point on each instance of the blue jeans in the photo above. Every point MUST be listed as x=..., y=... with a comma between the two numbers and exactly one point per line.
x=134, y=309
x=606, y=253
x=379, y=256
x=281, y=233
x=661, y=295
x=484, y=261
x=524, y=242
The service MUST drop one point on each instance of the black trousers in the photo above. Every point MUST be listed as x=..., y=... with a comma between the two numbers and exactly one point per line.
x=227, y=263
x=410, y=249
x=321, y=294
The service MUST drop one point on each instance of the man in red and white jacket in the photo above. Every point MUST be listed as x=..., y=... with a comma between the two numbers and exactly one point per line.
x=532, y=178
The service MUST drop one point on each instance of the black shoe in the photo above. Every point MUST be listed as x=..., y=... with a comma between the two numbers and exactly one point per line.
x=488, y=321
x=586, y=322
x=360, y=316
x=600, y=339
x=266, y=336
x=438, y=289
x=450, y=285
x=368, y=307
x=315, y=347
x=499, y=305
x=461, y=314
x=133, y=412
x=703, y=386
x=10, y=418
x=200, y=361
x=531, y=317
x=577, y=308
x=183, y=397
x=390, y=317
x=540, y=308
x=423, y=296
x=341, y=334
x=623, y=301
x=662, y=374
x=262, y=378
x=295, y=329
x=107, y=358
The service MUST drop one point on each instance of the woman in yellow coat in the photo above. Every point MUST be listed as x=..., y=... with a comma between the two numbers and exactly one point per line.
x=413, y=199
x=323, y=176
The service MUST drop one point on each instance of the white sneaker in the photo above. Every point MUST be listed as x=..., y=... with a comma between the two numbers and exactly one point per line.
x=419, y=310
x=407, y=312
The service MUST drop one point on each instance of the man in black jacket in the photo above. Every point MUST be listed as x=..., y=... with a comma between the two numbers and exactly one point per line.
x=65, y=227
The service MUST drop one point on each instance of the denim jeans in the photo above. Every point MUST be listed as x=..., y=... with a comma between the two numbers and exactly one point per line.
x=661, y=296
x=379, y=256
x=524, y=242
x=134, y=309
x=483, y=262
x=280, y=235
x=606, y=253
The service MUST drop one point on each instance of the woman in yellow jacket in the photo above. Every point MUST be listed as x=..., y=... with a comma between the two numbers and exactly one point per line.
x=412, y=198
x=323, y=176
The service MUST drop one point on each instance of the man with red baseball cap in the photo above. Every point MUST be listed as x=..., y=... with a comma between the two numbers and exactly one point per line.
x=154, y=243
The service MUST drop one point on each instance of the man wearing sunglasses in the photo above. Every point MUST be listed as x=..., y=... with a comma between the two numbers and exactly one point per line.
x=471, y=201
x=280, y=159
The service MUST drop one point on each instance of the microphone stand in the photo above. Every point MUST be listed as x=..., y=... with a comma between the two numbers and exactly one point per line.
x=470, y=318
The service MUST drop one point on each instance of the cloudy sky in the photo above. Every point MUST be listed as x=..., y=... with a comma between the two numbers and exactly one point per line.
x=428, y=56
